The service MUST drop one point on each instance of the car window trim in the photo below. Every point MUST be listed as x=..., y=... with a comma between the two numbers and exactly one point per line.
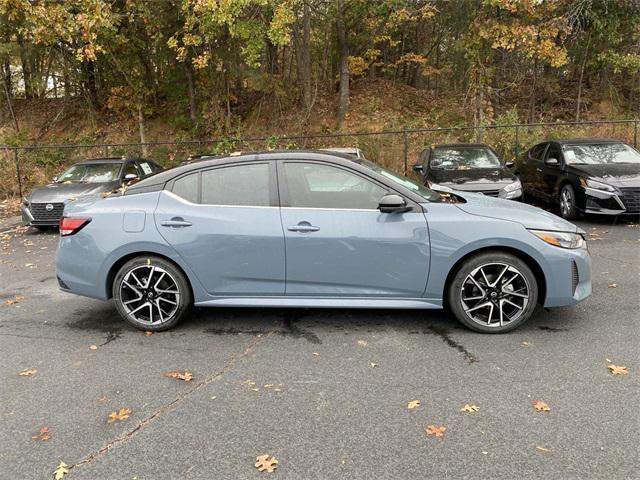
x=284, y=189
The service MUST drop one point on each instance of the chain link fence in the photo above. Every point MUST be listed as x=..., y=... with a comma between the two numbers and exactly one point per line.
x=31, y=165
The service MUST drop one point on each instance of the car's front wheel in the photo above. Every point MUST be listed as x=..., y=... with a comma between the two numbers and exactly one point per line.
x=151, y=293
x=493, y=292
x=568, y=209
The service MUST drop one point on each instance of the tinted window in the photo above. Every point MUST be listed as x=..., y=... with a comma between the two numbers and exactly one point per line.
x=536, y=152
x=237, y=185
x=187, y=187
x=322, y=186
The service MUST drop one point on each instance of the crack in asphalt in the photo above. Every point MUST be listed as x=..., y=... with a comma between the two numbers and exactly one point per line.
x=89, y=458
x=111, y=336
x=444, y=335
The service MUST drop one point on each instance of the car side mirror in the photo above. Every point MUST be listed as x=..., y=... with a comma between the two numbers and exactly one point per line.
x=552, y=162
x=130, y=176
x=392, y=203
x=509, y=164
x=418, y=168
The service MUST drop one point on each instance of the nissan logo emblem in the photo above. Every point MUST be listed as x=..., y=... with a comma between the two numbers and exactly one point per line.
x=49, y=207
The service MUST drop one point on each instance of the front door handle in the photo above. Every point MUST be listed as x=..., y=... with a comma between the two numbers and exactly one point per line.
x=303, y=227
x=176, y=222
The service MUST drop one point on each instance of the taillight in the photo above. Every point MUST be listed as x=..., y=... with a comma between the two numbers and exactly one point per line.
x=72, y=225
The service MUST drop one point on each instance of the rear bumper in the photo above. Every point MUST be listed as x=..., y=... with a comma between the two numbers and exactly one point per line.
x=569, y=281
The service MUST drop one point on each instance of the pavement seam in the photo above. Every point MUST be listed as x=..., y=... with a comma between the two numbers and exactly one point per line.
x=167, y=407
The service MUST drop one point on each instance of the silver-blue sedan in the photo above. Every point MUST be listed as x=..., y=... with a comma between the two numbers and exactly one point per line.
x=316, y=229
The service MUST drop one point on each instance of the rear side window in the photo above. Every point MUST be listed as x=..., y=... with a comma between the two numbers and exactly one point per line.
x=187, y=187
x=242, y=185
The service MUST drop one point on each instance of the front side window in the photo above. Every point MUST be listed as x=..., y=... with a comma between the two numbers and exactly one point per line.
x=240, y=185
x=91, y=173
x=131, y=169
x=537, y=152
x=312, y=185
x=600, y=154
x=467, y=158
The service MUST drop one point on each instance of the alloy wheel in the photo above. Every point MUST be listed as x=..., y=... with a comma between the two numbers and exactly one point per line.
x=495, y=294
x=566, y=202
x=149, y=294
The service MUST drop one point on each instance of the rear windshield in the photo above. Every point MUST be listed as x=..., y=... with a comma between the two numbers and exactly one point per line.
x=91, y=173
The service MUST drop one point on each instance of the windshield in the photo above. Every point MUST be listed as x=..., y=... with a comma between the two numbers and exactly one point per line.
x=600, y=154
x=91, y=173
x=464, y=158
x=421, y=190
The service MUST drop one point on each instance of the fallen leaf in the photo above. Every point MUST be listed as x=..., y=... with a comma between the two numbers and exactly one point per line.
x=618, y=369
x=613, y=285
x=541, y=406
x=264, y=463
x=93, y=347
x=43, y=434
x=30, y=265
x=373, y=365
x=470, y=408
x=186, y=376
x=28, y=372
x=413, y=404
x=120, y=415
x=61, y=471
x=542, y=449
x=316, y=354
x=147, y=333
x=525, y=344
x=435, y=431
x=362, y=343
x=13, y=300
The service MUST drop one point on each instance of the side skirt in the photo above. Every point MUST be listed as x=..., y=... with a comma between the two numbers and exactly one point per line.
x=322, y=302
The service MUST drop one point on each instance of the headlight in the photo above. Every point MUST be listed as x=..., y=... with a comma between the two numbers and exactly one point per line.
x=561, y=239
x=588, y=183
x=513, y=186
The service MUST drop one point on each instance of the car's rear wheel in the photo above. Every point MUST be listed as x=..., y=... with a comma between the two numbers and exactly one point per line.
x=493, y=292
x=567, y=201
x=151, y=293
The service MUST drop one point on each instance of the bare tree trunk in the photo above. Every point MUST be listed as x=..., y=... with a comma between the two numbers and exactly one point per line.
x=306, y=55
x=579, y=96
x=343, y=49
x=191, y=91
x=6, y=74
x=143, y=133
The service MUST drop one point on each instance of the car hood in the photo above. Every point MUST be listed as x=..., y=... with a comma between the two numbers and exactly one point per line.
x=467, y=179
x=530, y=217
x=616, y=174
x=60, y=192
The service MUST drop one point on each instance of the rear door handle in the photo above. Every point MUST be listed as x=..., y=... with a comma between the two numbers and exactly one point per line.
x=176, y=222
x=303, y=227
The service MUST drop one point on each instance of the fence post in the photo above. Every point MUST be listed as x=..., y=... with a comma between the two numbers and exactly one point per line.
x=517, y=149
x=405, y=141
x=635, y=134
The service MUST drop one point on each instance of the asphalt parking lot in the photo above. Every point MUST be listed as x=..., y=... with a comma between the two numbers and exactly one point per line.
x=324, y=391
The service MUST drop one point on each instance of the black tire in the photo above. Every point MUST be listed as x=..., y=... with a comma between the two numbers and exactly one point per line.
x=160, y=302
x=491, y=262
x=567, y=202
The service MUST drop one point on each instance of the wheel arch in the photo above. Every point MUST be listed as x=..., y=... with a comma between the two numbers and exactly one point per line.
x=111, y=275
x=525, y=257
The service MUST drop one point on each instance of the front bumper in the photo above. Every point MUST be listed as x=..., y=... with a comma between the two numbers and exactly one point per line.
x=609, y=203
x=569, y=281
x=38, y=215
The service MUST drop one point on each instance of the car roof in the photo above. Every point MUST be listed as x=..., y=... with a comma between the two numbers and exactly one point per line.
x=212, y=161
x=105, y=160
x=578, y=141
x=460, y=145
